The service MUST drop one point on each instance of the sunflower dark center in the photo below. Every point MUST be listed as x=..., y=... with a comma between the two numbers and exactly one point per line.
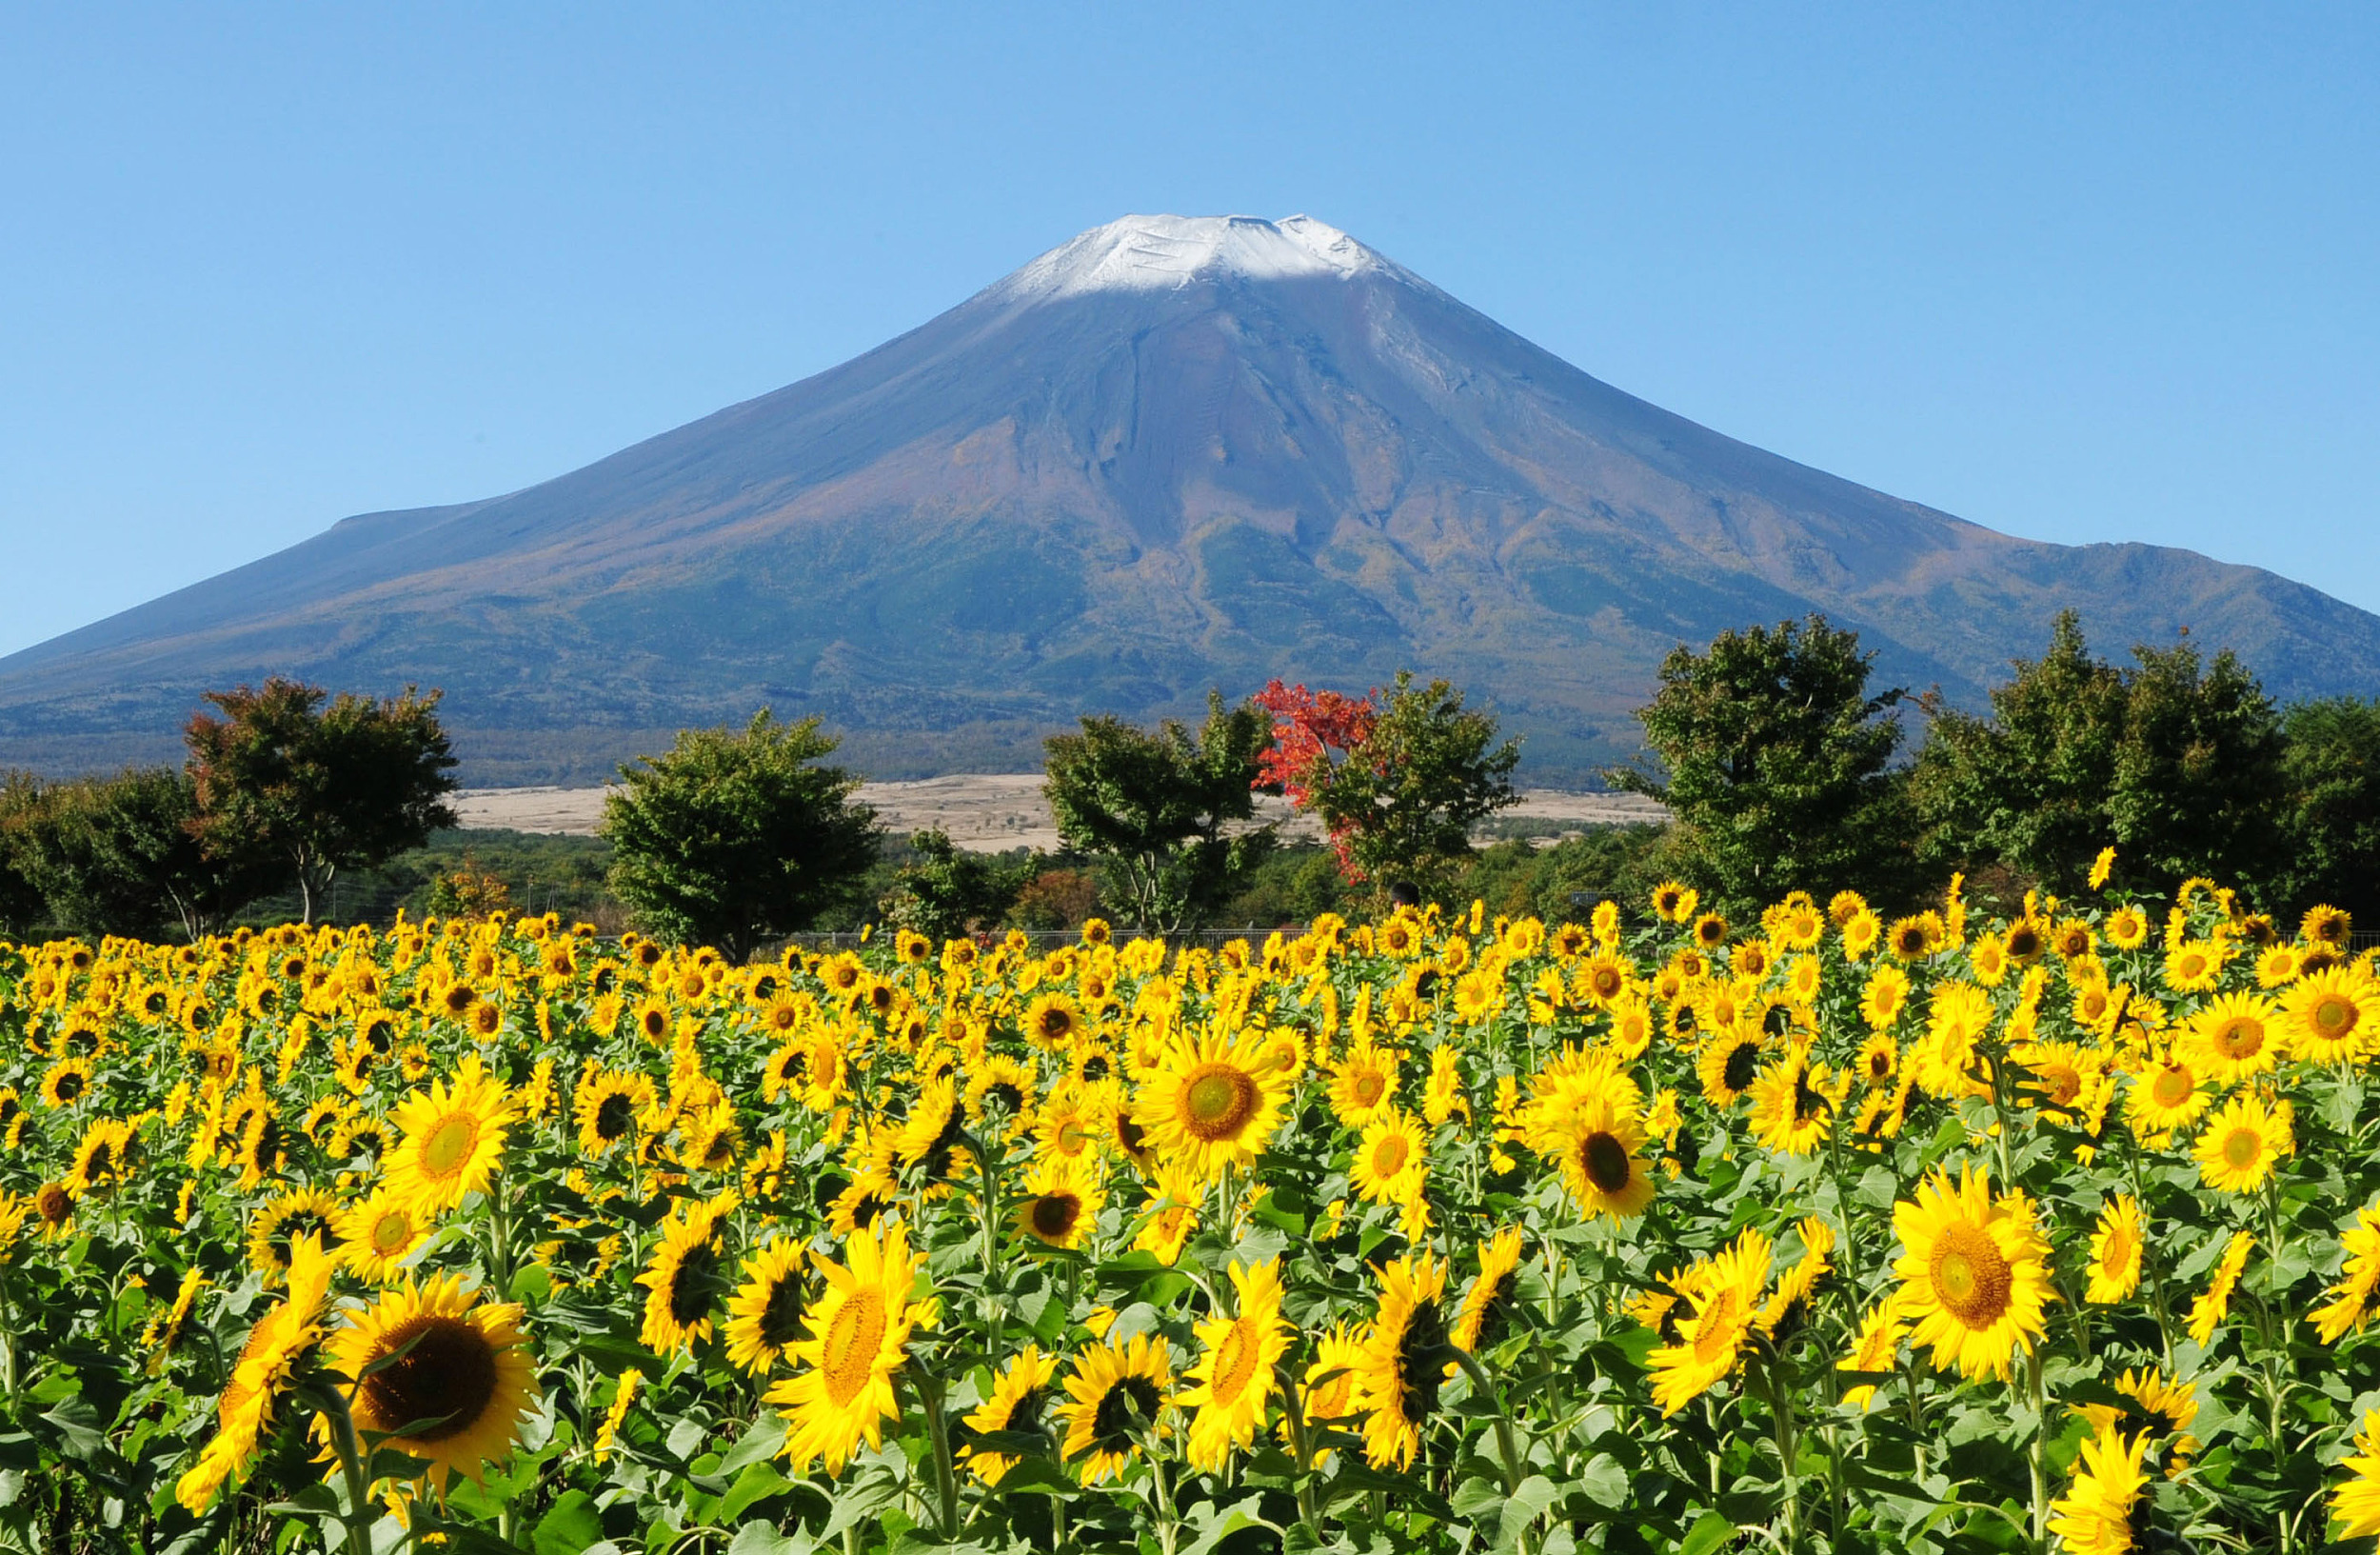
x=1496, y=1312
x=448, y=1376
x=1053, y=1215
x=1010, y=1099
x=781, y=1319
x=1420, y=1361
x=1604, y=1159
x=694, y=1287
x=612, y=1117
x=1743, y=1059
x=1132, y=1401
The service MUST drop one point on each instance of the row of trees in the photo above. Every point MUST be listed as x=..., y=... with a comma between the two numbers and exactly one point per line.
x=283, y=788
x=736, y=837
x=1785, y=769
x=1782, y=766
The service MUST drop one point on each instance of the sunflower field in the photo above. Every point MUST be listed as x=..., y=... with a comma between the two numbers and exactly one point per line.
x=1814, y=1232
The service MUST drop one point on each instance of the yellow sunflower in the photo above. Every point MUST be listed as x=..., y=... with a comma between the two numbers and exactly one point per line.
x=244, y=1414
x=1786, y=1310
x=2356, y=1503
x=454, y=1137
x=2126, y=927
x=1972, y=1271
x=1363, y=1082
x=1118, y=1393
x=683, y=1283
x=1488, y=1305
x=765, y=1314
x=1052, y=1021
x=1403, y=1360
x=2211, y=1305
x=100, y=1157
x=2331, y=1015
x=1392, y=1161
x=1019, y=1394
x=1793, y=1104
x=610, y=1107
x=2351, y=1306
x=2165, y=1095
x=379, y=1233
x=440, y=1375
x=1062, y=1200
x=2243, y=1143
x=1875, y=1348
x=1884, y=997
x=1722, y=1295
x=860, y=1336
x=1233, y=1380
x=275, y=1229
x=1596, y=1145
x=1213, y=1102
x=2115, y=1249
x=165, y=1332
x=1728, y=1062
x=2095, y=1515
x=2232, y=1036
x=2160, y=1408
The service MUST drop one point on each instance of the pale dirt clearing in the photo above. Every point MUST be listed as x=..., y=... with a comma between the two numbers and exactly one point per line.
x=987, y=811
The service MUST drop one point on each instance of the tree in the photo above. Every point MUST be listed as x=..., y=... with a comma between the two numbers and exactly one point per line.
x=2330, y=764
x=317, y=788
x=21, y=901
x=735, y=836
x=1779, y=765
x=950, y=891
x=2174, y=760
x=1153, y=807
x=117, y=856
x=2028, y=786
x=1397, y=787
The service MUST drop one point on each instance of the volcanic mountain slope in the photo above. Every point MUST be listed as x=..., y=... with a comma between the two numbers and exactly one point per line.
x=1174, y=453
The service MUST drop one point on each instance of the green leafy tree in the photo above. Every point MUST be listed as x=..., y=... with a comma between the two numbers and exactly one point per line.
x=2028, y=786
x=949, y=892
x=1398, y=778
x=2174, y=760
x=22, y=903
x=118, y=856
x=1153, y=805
x=282, y=778
x=738, y=836
x=2330, y=763
x=1778, y=766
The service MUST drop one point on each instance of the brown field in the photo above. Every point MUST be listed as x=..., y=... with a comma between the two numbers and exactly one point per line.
x=986, y=811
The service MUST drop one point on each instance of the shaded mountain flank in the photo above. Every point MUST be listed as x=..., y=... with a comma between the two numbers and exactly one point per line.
x=1174, y=453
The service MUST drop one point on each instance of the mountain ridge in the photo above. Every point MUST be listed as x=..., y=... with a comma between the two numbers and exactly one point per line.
x=1170, y=453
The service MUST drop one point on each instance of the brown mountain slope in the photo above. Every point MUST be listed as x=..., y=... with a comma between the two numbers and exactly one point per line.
x=1174, y=453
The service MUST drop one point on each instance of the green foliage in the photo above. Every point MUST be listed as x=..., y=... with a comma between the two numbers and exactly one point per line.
x=21, y=901
x=1153, y=805
x=1778, y=766
x=1563, y=881
x=948, y=891
x=120, y=856
x=283, y=780
x=2331, y=765
x=733, y=837
x=2175, y=761
x=1403, y=802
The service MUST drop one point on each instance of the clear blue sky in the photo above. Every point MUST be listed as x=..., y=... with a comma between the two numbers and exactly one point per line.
x=2075, y=272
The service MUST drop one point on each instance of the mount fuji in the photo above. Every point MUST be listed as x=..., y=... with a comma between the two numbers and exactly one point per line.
x=1173, y=453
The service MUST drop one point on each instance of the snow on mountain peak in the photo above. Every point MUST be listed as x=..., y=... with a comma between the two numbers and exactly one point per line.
x=1155, y=253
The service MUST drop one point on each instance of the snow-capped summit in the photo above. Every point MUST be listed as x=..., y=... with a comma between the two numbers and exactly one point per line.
x=1156, y=254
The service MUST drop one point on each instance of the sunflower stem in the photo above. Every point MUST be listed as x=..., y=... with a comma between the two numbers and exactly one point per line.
x=938, y=1431
x=1505, y=1446
x=2036, y=1456
x=1300, y=1447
